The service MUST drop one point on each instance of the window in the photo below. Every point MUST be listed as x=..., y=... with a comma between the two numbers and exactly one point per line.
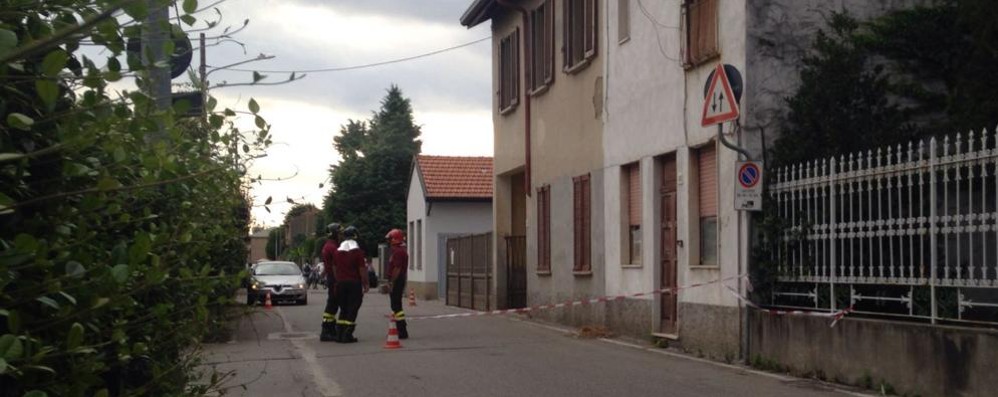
x=700, y=29
x=419, y=241
x=412, y=247
x=544, y=229
x=582, y=235
x=579, y=41
x=541, y=37
x=623, y=20
x=707, y=203
x=509, y=71
x=632, y=202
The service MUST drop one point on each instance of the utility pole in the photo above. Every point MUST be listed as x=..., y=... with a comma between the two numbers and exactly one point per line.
x=155, y=33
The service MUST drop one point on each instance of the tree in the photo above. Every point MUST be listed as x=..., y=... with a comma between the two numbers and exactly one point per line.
x=123, y=225
x=369, y=184
x=910, y=74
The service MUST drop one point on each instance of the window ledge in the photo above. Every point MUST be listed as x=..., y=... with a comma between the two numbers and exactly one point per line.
x=624, y=40
x=632, y=266
x=578, y=66
x=582, y=273
x=509, y=109
x=705, y=267
x=544, y=273
x=690, y=65
x=540, y=90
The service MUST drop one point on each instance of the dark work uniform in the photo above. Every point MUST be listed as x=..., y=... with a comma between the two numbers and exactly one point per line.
x=398, y=264
x=351, y=272
x=328, y=259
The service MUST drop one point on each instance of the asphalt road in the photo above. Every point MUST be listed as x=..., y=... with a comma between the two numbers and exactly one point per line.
x=276, y=352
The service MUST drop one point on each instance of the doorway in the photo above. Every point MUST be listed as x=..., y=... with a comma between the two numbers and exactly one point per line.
x=669, y=307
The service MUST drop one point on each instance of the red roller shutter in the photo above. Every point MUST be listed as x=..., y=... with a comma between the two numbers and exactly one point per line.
x=634, y=194
x=707, y=181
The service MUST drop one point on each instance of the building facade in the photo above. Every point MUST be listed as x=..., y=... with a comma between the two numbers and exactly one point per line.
x=602, y=166
x=447, y=197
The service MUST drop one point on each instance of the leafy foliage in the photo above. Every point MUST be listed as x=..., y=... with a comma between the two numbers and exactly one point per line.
x=123, y=226
x=910, y=74
x=369, y=184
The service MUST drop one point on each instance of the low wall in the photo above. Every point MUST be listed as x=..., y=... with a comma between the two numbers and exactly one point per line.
x=911, y=359
x=424, y=290
x=709, y=331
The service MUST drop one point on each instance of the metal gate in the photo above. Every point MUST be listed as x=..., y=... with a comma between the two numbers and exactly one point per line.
x=516, y=268
x=469, y=271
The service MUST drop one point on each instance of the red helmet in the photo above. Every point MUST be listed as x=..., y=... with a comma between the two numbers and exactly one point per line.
x=395, y=236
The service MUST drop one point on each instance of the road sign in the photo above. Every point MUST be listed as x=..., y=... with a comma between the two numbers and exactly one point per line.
x=748, y=186
x=719, y=104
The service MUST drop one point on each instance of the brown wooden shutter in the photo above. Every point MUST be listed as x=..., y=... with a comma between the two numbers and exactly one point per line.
x=590, y=30
x=634, y=194
x=543, y=229
x=587, y=224
x=577, y=221
x=547, y=227
x=707, y=180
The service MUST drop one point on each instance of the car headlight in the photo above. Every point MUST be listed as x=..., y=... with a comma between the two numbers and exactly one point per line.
x=301, y=286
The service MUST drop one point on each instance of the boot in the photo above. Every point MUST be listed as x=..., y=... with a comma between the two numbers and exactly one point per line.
x=347, y=336
x=328, y=331
x=338, y=333
x=403, y=331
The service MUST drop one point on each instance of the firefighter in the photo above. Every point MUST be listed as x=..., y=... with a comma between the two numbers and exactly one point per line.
x=397, y=266
x=351, y=284
x=329, y=250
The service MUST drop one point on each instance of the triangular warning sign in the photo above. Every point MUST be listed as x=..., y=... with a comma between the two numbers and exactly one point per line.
x=719, y=105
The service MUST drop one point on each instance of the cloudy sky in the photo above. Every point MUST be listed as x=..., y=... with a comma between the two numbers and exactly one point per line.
x=450, y=92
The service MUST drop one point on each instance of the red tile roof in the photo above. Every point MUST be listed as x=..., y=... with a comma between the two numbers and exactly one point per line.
x=446, y=177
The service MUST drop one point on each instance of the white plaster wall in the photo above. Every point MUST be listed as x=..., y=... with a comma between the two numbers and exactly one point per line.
x=415, y=210
x=451, y=218
x=653, y=107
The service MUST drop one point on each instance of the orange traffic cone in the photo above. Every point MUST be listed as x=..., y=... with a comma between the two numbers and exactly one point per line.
x=412, y=297
x=393, y=336
x=267, y=303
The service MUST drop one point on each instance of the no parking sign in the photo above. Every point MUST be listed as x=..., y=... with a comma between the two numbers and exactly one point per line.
x=748, y=186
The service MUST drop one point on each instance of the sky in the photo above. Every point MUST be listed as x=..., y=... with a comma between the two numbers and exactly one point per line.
x=450, y=92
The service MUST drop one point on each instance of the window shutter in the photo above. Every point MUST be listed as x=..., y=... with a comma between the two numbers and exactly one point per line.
x=587, y=226
x=623, y=20
x=707, y=180
x=543, y=228
x=590, y=31
x=577, y=221
x=634, y=194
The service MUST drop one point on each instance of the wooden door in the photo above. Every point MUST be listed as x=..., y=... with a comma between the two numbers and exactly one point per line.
x=669, y=306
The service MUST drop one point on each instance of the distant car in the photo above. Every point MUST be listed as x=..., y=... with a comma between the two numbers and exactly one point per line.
x=283, y=280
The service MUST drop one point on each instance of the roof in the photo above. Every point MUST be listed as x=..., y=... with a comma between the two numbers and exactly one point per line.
x=479, y=11
x=449, y=178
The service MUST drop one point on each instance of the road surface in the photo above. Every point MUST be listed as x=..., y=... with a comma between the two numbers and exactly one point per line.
x=276, y=352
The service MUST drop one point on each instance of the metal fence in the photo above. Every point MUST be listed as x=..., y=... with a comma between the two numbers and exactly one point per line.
x=907, y=230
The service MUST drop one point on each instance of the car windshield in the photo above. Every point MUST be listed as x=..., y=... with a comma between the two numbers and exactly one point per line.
x=277, y=269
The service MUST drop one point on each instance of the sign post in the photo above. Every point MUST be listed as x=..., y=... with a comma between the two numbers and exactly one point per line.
x=748, y=186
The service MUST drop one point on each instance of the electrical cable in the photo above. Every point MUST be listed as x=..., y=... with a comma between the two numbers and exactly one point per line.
x=364, y=66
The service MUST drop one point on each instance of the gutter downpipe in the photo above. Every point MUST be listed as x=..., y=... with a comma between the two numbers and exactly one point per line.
x=526, y=95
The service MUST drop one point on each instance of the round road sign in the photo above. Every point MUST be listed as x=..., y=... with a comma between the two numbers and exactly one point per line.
x=748, y=175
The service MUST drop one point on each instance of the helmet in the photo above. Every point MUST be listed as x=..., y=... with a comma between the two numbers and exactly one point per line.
x=333, y=229
x=395, y=237
x=350, y=232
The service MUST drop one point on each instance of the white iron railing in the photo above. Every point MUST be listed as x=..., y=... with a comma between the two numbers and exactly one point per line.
x=901, y=230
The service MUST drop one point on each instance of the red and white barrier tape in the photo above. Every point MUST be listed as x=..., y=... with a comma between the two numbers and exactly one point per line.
x=835, y=316
x=581, y=302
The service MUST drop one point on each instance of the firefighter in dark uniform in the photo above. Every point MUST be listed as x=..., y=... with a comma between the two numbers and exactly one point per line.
x=328, y=258
x=351, y=284
x=397, y=266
